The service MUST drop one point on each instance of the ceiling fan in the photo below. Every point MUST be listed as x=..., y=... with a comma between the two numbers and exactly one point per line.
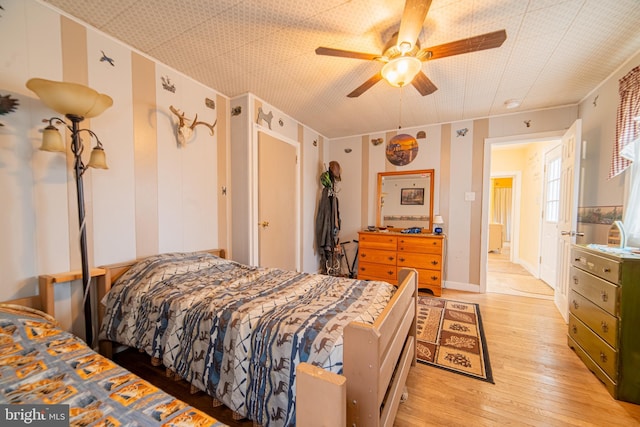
x=403, y=55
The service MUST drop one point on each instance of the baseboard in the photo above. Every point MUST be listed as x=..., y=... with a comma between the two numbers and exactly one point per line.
x=461, y=286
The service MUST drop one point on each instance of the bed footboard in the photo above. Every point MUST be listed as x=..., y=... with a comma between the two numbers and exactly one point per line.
x=377, y=359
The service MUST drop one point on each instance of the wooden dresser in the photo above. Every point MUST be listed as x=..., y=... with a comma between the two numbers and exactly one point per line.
x=382, y=254
x=604, y=306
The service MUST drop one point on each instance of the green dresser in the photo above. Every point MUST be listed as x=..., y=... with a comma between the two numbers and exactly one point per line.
x=604, y=318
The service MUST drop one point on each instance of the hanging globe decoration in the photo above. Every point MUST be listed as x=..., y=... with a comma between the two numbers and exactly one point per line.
x=402, y=149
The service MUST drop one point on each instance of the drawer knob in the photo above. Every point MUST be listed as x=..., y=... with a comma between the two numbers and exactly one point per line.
x=575, y=304
x=604, y=295
x=604, y=326
x=574, y=329
x=363, y=255
x=390, y=273
x=434, y=277
x=575, y=280
x=434, y=262
x=606, y=270
x=603, y=357
x=401, y=259
x=390, y=258
x=363, y=269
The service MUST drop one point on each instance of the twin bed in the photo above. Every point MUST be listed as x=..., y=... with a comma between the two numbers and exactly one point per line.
x=40, y=364
x=269, y=344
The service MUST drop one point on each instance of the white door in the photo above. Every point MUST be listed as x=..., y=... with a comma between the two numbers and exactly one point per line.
x=568, y=215
x=277, y=203
x=550, y=215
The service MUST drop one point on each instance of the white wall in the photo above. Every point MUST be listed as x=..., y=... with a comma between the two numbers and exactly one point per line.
x=458, y=174
x=244, y=177
x=39, y=224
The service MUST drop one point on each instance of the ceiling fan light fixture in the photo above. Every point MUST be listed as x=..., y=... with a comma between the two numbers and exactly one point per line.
x=400, y=71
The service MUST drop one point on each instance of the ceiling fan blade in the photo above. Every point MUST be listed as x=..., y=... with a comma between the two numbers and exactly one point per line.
x=424, y=85
x=472, y=44
x=347, y=54
x=415, y=12
x=365, y=86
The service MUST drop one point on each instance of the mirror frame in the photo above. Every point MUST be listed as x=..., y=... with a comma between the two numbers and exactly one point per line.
x=382, y=175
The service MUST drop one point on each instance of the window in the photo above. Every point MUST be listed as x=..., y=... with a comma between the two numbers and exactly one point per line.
x=552, y=199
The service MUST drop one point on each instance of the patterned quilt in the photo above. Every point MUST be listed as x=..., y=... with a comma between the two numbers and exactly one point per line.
x=42, y=364
x=238, y=332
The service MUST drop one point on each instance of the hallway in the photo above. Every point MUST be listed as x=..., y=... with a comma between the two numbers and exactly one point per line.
x=505, y=277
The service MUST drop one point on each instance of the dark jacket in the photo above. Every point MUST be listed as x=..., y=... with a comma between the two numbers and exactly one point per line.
x=327, y=221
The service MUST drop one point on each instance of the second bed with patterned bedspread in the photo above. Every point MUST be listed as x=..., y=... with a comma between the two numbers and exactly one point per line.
x=235, y=331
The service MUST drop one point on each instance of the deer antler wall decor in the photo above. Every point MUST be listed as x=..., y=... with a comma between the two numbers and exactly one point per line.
x=185, y=132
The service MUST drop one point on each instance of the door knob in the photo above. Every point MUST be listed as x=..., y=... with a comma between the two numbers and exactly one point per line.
x=264, y=224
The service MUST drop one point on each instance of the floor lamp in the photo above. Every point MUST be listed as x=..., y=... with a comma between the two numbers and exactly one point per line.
x=77, y=102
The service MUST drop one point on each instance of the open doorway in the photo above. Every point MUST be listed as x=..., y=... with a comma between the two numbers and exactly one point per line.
x=515, y=220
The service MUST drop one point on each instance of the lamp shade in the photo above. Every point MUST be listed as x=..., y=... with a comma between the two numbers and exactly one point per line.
x=400, y=71
x=98, y=159
x=52, y=140
x=438, y=219
x=70, y=98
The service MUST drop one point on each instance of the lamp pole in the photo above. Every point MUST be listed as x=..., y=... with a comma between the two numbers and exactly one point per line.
x=75, y=101
x=76, y=148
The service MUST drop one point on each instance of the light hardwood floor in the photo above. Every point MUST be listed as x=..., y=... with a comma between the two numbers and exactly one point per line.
x=505, y=277
x=539, y=380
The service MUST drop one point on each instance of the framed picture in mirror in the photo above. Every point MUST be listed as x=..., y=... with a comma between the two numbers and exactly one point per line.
x=412, y=196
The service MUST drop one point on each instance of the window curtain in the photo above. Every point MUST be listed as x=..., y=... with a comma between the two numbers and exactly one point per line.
x=626, y=151
x=627, y=128
x=502, y=210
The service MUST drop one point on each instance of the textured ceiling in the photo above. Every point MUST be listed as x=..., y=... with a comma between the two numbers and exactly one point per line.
x=556, y=52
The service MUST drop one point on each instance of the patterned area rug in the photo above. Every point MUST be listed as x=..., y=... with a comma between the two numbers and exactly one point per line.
x=450, y=336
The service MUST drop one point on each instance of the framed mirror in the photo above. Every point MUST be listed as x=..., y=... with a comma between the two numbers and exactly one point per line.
x=405, y=199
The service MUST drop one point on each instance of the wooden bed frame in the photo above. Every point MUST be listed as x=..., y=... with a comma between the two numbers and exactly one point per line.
x=377, y=359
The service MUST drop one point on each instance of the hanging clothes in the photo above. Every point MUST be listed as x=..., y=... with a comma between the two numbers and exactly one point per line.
x=327, y=221
x=328, y=217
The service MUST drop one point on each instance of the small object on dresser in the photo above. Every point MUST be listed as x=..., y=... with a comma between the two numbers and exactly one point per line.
x=617, y=236
x=412, y=230
x=438, y=221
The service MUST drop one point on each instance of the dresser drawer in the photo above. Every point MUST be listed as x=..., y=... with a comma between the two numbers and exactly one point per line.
x=429, y=277
x=598, y=350
x=593, y=367
x=378, y=241
x=413, y=260
x=370, y=271
x=425, y=245
x=605, y=268
x=599, y=291
x=601, y=322
x=377, y=256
